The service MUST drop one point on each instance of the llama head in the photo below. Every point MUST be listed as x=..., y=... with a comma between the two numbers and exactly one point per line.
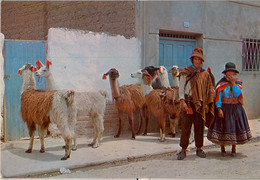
x=175, y=70
x=153, y=71
x=43, y=71
x=113, y=74
x=137, y=74
x=163, y=70
x=147, y=78
x=27, y=68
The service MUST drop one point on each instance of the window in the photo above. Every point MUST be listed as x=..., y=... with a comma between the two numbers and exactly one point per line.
x=251, y=54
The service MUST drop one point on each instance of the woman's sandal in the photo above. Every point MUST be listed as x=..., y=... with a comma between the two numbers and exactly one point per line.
x=181, y=155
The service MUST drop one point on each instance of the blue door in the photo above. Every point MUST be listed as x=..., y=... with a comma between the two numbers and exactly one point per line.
x=17, y=54
x=175, y=52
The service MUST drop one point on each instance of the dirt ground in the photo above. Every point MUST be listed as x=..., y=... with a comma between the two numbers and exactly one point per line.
x=245, y=165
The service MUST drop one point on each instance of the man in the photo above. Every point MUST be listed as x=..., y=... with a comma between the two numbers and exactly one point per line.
x=197, y=103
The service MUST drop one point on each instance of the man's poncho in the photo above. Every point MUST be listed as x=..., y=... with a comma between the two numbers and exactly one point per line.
x=202, y=92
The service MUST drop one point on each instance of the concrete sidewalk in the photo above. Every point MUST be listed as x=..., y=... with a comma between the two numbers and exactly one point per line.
x=16, y=163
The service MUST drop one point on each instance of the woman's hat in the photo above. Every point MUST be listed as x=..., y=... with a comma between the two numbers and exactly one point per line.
x=197, y=52
x=230, y=67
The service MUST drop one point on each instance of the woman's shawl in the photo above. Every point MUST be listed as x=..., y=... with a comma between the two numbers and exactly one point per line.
x=224, y=83
x=202, y=92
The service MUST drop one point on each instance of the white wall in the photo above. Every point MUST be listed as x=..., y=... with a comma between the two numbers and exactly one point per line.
x=79, y=59
x=2, y=38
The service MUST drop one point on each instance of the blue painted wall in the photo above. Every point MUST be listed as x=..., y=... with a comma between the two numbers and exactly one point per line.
x=17, y=54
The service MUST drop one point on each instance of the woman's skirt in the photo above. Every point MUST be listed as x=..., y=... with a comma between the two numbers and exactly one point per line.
x=232, y=129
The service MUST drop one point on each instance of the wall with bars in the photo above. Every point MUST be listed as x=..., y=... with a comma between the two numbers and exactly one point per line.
x=219, y=28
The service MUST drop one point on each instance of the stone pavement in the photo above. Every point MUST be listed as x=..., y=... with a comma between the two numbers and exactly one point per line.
x=16, y=163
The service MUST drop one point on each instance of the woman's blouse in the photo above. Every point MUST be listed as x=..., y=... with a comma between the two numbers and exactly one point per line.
x=228, y=92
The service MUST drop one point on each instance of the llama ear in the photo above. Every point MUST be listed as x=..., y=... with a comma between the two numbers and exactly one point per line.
x=48, y=63
x=34, y=69
x=104, y=76
x=39, y=64
x=20, y=72
x=170, y=71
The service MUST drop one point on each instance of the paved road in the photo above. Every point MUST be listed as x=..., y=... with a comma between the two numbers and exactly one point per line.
x=245, y=166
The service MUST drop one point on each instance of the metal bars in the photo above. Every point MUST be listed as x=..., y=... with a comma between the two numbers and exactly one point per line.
x=251, y=54
x=172, y=35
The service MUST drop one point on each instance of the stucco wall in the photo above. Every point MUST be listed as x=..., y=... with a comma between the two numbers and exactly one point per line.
x=30, y=20
x=219, y=26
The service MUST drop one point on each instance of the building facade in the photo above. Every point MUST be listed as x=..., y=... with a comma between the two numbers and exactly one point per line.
x=228, y=31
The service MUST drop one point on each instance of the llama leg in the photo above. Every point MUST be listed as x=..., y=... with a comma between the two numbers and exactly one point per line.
x=120, y=115
x=174, y=125
x=131, y=123
x=74, y=147
x=31, y=129
x=162, y=128
x=66, y=134
x=142, y=120
x=42, y=131
x=100, y=130
x=67, y=148
x=72, y=120
x=191, y=139
x=94, y=141
x=147, y=119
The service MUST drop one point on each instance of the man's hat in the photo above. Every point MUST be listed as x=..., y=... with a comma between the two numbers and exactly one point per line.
x=197, y=52
x=230, y=67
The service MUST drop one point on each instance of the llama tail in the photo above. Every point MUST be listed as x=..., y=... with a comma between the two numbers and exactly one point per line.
x=69, y=96
x=105, y=94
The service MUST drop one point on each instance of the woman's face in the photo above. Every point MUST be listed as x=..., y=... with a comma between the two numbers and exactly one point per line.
x=196, y=62
x=230, y=74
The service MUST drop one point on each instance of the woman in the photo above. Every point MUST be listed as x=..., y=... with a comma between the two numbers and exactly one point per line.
x=231, y=125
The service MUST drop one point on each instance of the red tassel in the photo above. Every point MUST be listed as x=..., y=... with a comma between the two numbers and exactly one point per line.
x=34, y=69
x=158, y=73
x=104, y=76
x=150, y=78
x=20, y=72
x=38, y=63
x=48, y=63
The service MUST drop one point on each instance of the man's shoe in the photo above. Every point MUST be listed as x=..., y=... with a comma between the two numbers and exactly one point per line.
x=233, y=154
x=223, y=153
x=201, y=153
x=181, y=155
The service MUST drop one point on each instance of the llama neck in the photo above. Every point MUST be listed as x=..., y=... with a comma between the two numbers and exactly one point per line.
x=164, y=80
x=29, y=82
x=114, y=88
x=146, y=89
x=50, y=83
x=175, y=81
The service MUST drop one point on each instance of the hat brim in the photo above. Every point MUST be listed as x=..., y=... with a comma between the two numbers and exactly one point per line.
x=197, y=55
x=234, y=70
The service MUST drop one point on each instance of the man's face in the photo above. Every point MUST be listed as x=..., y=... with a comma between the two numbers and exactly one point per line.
x=196, y=62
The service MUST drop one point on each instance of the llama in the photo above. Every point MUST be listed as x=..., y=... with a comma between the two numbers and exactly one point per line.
x=90, y=103
x=175, y=71
x=163, y=82
x=127, y=99
x=39, y=107
x=160, y=102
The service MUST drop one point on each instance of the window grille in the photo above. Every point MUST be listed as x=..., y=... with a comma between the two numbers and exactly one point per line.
x=181, y=36
x=251, y=54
